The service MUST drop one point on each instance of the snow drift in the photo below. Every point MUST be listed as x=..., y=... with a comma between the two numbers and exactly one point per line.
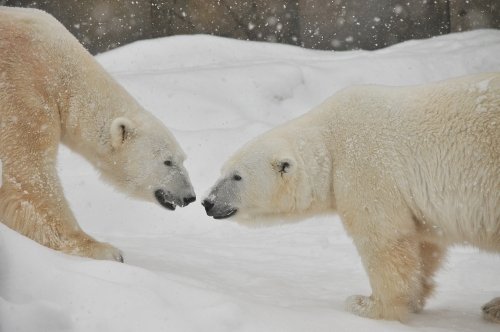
x=187, y=272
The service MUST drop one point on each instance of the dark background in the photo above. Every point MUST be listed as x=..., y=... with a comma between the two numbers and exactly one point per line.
x=319, y=24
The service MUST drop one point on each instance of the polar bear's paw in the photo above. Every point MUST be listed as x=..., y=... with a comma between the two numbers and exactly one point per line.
x=491, y=310
x=417, y=305
x=91, y=248
x=105, y=251
x=366, y=306
x=360, y=305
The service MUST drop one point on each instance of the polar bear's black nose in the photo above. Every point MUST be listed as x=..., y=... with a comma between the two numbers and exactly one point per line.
x=188, y=200
x=207, y=204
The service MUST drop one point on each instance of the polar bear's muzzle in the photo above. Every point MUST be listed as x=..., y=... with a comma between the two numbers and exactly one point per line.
x=218, y=212
x=168, y=201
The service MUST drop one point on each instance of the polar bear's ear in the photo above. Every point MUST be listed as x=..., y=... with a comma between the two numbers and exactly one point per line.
x=284, y=165
x=121, y=130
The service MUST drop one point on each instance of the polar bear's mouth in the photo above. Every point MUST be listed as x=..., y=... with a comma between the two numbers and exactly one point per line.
x=218, y=212
x=164, y=199
x=226, y=215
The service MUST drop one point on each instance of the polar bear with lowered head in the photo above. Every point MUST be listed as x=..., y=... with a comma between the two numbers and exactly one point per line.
x=410, y=170
x=52, y=90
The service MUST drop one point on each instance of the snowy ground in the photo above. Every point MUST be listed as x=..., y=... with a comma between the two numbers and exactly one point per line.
x=187, y=272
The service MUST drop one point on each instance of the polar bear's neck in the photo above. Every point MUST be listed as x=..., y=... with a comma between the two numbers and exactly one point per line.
x=93, y=100
x=310, y=138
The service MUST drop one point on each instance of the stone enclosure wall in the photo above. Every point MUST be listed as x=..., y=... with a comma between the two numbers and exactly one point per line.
x=319, y=24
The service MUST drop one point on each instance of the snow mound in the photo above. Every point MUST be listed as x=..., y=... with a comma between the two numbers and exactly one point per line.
x=186, y=272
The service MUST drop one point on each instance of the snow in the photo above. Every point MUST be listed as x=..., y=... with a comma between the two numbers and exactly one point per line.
x=187, y=272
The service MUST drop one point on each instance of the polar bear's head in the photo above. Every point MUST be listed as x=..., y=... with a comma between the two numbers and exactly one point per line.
x=270, y=178
x=146, y=162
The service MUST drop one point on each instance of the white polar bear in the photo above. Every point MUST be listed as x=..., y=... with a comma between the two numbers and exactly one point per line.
x=52, y=90
x=410, y=170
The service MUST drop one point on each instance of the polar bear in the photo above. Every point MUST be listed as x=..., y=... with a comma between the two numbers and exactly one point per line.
x=410, y=170
x=52, y=90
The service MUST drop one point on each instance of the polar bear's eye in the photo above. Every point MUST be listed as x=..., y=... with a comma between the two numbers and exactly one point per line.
x=168, y=162
x=236, y=177
x=284, y=167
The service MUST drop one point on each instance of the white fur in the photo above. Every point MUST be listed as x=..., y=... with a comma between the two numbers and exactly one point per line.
x=52, y=91
x=410, y=170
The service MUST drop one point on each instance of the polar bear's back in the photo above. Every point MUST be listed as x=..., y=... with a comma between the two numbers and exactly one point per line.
x=27, y=19
x=34, y=32
x=450, y=162
x=30, y=57
x=438, y=143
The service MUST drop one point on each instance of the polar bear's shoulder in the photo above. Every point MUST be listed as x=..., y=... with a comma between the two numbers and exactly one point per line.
x=26, y=15
x=29, y=21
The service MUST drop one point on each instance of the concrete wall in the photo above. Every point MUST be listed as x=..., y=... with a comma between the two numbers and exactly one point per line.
x=321, y=24
x=474, y=14
x=345, y=25
x=99, y=25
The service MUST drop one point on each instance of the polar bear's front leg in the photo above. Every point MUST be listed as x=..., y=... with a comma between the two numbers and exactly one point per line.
x=33, y=204
x=491, y=310
x=394, y=268
x=383, y=230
